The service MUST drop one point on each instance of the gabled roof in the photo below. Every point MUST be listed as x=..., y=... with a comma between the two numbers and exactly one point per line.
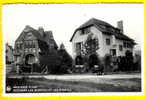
x=48, y=36
x=104, y=27
x=94, y=21
x=29, y=29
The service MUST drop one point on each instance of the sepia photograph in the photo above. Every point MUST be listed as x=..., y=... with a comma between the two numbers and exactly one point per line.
x=73, y=48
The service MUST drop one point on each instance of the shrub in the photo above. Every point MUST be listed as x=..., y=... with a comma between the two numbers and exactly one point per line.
x=129, y=60
x=137, y=63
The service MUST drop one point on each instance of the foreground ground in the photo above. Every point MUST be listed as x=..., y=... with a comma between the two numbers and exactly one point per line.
x=86, y=83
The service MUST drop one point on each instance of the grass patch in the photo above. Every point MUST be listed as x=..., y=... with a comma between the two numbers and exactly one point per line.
x=78, y=86
x=107, y=85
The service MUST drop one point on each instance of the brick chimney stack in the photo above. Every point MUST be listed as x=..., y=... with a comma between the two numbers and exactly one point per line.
x=120, y=26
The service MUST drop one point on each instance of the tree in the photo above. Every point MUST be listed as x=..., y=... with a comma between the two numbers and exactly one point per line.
x=66, y=59
x=129, y=60
x=90, y=46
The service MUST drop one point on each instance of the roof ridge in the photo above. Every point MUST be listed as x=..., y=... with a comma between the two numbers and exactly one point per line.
x=107, y=29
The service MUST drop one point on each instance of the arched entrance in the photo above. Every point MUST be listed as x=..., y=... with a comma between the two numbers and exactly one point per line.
x=93, y=60
x=29, y=59
x=29, y=63
x=79, y=64
x=79, y=60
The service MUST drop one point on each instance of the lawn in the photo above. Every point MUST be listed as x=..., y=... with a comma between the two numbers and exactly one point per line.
x=99, y=85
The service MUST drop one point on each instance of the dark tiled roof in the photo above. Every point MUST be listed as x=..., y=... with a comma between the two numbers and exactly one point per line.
x=29, y=29
x=104, y=27
x=94, y=21
x=48, y=36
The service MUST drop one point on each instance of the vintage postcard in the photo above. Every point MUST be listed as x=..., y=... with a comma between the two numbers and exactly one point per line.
x=73, y=49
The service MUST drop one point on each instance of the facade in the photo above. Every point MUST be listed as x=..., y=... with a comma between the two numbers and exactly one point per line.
x=9, y=54
x=33, y=47
x=112, y=40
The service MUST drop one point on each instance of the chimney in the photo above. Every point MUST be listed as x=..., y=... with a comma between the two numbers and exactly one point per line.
x=41, y=31
x=120, y=26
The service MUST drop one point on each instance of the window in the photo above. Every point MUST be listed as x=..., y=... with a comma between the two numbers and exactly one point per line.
x=78, y=46
x=120, y=47
x=30, y=43
x=33, y=43
x=125, y=44
x=107, y=41
x=102, y=26
x=26, y=44
x=109, y=29
x=20, y=46
x=29, y=35
x=86, y=30
x=113, y=52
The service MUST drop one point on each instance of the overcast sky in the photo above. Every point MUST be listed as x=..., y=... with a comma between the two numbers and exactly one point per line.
x=63, y=19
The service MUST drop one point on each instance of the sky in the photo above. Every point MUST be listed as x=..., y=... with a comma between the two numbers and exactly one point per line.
x=63, y=19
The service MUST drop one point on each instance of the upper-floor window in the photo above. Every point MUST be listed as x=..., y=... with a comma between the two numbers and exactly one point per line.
x=29, y=35
x=120, y=47
x=109, y=29
x=33, y=43
x=86, y=30
x=29, y=44
x=127, y=44
x=18, y=45
x=102, y=26
x=78, y=46
x=108, y=41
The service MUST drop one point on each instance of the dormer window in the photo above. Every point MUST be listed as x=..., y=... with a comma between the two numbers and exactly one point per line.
x=86, y=30
x=29, y=35
x=102, y=26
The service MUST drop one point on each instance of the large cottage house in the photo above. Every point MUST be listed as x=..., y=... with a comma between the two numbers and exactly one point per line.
x=34, y=49
x=112, y=40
